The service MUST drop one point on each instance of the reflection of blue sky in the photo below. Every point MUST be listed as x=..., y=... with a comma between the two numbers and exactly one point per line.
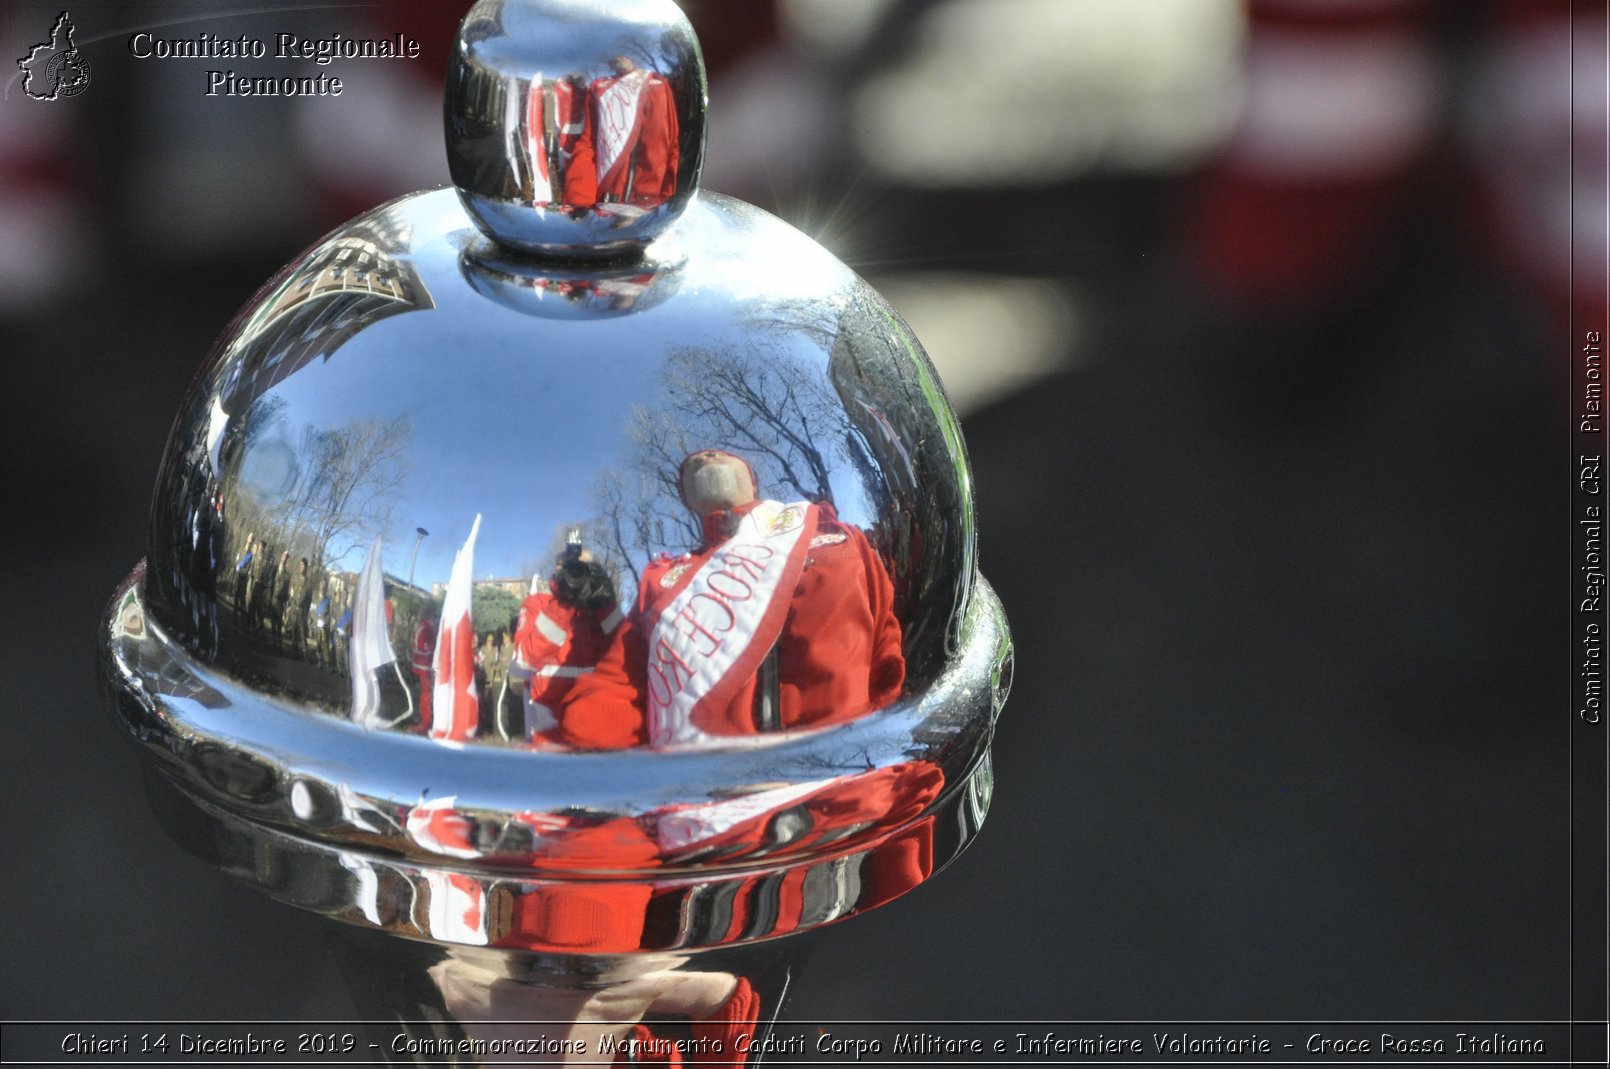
x=511, y=444
x=515, y=416
x=512, y=431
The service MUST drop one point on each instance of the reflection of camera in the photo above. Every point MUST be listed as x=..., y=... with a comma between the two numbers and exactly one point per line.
x=584, y=584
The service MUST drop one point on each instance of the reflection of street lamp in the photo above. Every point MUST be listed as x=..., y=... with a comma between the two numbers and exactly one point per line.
x=419, y=536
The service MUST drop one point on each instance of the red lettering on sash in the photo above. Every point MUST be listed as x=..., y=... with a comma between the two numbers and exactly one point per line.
x=732, y=620
x=700, y=658
x=743, y=584
x=695, y=627
x=735, y=559
x=681, y=671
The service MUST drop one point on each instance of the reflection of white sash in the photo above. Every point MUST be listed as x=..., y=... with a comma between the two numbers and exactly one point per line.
x=710, y=638
x=536, y=128
x=618, y=121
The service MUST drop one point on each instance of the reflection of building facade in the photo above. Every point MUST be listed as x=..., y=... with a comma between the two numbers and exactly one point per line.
x=518, y=585
x=354, y=284
x=345, y=286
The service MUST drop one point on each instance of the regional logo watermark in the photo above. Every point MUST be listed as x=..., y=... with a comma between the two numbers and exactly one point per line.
x=55, y=68
x=282, y=47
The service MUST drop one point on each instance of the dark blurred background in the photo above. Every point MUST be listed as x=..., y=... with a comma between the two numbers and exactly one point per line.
x=1257, y=317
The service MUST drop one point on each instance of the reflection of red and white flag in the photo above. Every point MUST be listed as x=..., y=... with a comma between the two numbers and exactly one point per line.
x=371, y=642
x=536, y=128
x=457, y=908
x=457, y=903
x=438, y=826
x=455, y=707
x=619, y=120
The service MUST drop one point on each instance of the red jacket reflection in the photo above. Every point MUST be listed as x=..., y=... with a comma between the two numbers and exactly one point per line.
x=628, y=149
x=836, y=656
x=556, y=644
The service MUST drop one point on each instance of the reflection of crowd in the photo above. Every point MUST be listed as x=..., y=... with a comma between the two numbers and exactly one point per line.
x=614, y=139
x=290, y=607
x=782, y=619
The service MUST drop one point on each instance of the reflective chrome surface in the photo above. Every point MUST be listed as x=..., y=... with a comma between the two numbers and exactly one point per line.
x=360, y=824
x=572, y=128
x=594, y=600
x=406, y=382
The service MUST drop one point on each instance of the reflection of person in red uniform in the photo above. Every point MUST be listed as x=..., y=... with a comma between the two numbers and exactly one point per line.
x=555, y=117
x=569, y=122
x=424, y=650
x=879, y=819
x=562, y=632
x=628, y=148
x=782, y=619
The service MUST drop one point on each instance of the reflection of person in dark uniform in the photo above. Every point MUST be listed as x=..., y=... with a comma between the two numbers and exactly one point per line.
x=243, y=580
x=493, y=661
x=422, y=660
x=561, y=633
x=628, y=149
x=319, y=620
x=296, y=631
x=340, y=620
x=782, y=619
x=262, y=598
x=338, y=638
x=282, y=597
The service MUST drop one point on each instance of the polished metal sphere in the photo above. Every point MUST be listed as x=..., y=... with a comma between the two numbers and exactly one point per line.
x=575, y=129
x=490, y=547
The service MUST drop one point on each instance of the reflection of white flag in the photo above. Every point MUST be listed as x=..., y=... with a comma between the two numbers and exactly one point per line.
x=536, y=129
x=370, y=646
x=455, y=707
x=357, y=810
x=368, y=896
x=686, y=827
x=217, y=424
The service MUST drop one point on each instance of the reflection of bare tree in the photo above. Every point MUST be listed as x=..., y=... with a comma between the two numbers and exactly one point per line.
x=757, y=406
x=760, y=405
x=346, y=488
x=350, y=488
x=631, y=520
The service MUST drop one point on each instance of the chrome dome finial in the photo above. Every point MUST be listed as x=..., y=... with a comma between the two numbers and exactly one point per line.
x=566, y=601
x=575, y=129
